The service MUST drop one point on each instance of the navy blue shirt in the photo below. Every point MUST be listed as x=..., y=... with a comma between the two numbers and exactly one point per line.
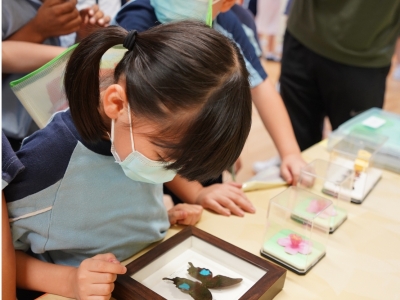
x=247, y=20
x=11, y=165
x=140, y=15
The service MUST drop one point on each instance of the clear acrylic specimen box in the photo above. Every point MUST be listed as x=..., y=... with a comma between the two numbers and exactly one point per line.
x=375, y=121
x=356, y=151
x=297, y=229
x=321, y=176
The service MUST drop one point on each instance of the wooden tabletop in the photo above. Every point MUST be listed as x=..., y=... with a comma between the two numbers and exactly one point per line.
x=363, y=254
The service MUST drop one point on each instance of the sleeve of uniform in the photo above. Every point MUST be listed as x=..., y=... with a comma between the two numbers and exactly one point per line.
x=11, y=165
x=229, y=25
x=5, y=19
x=30, y=195
x=138, y=15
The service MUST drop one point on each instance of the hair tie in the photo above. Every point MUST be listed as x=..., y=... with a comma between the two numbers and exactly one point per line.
x=129, y=41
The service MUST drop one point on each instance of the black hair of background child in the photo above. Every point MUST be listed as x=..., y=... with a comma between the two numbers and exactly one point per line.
x=187, y=78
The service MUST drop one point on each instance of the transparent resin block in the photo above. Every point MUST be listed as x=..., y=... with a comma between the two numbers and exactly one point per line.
x=329, y=180
x=297, y=229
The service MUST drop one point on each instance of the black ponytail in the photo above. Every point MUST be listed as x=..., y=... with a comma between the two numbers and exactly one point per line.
x=81, y=81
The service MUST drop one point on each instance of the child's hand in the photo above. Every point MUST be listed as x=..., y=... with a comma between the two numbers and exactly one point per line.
x=94, y=16
x=225, y=199
x=291, y=166
x=95, y=277
x=56, y=17
x=185, y=214
x=92, y=19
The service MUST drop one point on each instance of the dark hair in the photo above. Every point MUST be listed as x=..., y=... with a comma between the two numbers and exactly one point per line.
x=184, y=76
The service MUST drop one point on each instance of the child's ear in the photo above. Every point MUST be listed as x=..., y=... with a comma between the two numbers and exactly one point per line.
x=114, y=100
x=227, y=5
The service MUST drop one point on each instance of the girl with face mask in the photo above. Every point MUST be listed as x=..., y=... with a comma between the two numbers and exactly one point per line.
x=144, y=14
x=91, y=194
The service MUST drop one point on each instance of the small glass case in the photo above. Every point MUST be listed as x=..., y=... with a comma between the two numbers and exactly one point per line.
x=297, y=229
x=356, y=151
x=323, y=177
x=375, y=121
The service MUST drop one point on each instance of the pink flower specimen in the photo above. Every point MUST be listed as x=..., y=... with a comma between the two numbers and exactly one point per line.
x=295, y=243
x=317, y=205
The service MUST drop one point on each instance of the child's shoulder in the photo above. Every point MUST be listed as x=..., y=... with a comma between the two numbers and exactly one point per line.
x=45, y=155
x=229, y=25
x=57, y=138
x=229, y=21
x=138, y=15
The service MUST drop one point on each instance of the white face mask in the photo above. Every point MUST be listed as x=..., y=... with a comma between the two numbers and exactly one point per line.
x=138, y=167
x=176, y=10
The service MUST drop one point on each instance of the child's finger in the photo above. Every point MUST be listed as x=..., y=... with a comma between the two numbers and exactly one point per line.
x=193, y=214
x=234, y=208
x=93, y=10
x=285, y=173
x=52, y=2
x=238, y=197
x=66, y=7
x=176, y=215
x=98, y=14
x=295, y=172
x=107, y=20
x=245, y=205
x=58, y=2
x=101, y=278
x=104, y=266
x=238, y=191
x=219, y=206
x=100, y=291
x=73, y=25
x=105, y=256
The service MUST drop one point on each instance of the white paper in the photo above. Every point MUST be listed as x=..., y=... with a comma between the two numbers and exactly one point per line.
x=374, y=122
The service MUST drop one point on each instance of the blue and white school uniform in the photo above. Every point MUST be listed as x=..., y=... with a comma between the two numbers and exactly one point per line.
x=73, y=201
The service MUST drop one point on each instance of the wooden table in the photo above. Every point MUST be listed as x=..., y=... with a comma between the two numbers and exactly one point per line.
x=363, y=254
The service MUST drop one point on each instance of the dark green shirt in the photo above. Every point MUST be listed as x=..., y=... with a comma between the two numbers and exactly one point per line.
x=353, y=32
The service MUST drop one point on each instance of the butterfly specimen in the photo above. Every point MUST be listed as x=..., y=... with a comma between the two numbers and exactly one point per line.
x=199, y=291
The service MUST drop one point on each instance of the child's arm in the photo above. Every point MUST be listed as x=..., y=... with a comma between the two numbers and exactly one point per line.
x=225, y=199
x=7, y=257
x=276, y=119
x=94, y=277
x=53, y=18
x=24, y=57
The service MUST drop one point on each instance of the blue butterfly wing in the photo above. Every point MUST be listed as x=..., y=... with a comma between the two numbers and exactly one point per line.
x=210, y=281
x=195, y=289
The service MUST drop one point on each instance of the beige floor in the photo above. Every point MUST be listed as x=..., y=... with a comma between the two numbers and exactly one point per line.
x=259, y=145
